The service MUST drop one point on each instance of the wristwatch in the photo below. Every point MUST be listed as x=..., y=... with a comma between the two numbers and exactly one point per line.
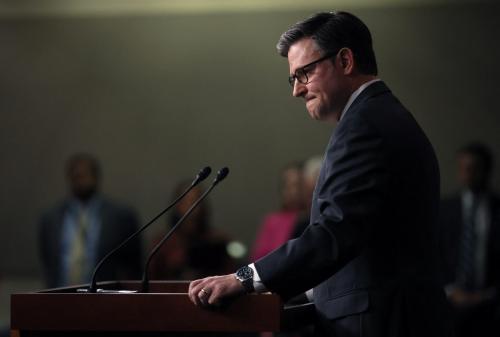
x=245, y=276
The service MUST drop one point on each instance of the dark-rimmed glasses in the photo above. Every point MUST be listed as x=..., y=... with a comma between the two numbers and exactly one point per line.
x=301, y=73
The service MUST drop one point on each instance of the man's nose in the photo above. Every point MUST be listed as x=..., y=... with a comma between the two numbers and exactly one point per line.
x=299, y=89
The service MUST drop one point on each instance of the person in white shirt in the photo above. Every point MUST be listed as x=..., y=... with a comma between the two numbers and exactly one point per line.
x=370, y=251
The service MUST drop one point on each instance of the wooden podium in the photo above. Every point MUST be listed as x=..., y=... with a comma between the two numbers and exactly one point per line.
x=166, y=309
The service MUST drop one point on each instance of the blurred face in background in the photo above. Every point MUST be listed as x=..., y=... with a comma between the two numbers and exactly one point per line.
x=291, y=191
x=191, y=225
x=472, y=172
x=83, y=180
x=188, y=201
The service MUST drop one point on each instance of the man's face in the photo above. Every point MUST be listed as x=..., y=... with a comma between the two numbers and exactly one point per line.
x=328, y=89
x=83, y=180
x=471, y=172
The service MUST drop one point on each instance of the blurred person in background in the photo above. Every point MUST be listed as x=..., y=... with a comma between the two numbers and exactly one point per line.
x=278, y=227
x=470, y=225
x=310, y=174
x=195, y=249
x=78, y=232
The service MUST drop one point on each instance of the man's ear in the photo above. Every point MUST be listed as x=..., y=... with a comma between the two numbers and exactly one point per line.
x=347, y=60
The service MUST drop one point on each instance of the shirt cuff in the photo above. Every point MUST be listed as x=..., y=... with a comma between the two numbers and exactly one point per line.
x=257, y=282
x=310, y=295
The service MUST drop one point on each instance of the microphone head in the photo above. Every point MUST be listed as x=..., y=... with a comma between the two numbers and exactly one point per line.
x=204, y=173
x=221, y=175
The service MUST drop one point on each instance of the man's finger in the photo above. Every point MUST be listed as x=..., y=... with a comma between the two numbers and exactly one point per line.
x=194, y=289
x=200, y=293
x=204, y=296
x=213, y=299
x=194, y=283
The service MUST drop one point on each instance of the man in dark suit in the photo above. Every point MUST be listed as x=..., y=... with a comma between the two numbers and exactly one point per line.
x=370, y=250
x=76, y=234
x=470, y=228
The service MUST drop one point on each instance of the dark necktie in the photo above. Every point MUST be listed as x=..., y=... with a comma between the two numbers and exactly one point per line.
x=467, y=263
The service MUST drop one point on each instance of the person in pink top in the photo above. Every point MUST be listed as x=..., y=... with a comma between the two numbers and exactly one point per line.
x=278, y=227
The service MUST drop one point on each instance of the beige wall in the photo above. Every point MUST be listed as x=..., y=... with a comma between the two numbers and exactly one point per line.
x=157, y=97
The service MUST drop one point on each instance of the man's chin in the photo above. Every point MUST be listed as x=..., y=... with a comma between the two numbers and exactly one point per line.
x=316, y=115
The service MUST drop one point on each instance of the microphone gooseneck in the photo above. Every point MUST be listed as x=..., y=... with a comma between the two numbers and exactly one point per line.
x=221, y=175
x=202, y=175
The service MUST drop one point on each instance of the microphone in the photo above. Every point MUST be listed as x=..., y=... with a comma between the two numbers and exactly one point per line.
x=221, y=175
x=202, y=175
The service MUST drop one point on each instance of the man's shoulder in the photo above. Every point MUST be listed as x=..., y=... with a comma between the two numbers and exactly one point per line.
x=370, y=105
x=376, y=93
x=51, y=219
x=361, y=118
x=381, y=112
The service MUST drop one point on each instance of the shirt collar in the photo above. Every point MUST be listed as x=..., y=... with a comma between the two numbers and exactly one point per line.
x=355, y=95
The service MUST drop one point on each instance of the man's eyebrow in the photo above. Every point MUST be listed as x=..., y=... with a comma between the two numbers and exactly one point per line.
x=298, y=68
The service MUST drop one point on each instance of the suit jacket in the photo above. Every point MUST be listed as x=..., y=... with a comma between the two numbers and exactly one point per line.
x=451, y=225
x=117, y=223
x=370, y=251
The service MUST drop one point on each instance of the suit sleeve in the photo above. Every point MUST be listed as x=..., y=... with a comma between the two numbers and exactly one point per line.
x=350, y=196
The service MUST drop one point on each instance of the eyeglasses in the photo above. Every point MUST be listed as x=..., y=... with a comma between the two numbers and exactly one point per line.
x=301, y=73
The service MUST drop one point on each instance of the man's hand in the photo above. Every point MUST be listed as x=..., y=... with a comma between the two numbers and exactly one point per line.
x=212, y=291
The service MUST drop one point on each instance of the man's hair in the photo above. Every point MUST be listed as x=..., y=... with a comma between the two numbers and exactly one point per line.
x=78, y=158
x=481, y=152
x=333, y=31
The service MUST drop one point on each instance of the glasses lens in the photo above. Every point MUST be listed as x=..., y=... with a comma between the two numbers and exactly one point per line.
x=301, y=76
x=291, y=80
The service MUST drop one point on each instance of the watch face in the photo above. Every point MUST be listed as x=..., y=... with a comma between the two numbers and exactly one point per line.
x=245, y=273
